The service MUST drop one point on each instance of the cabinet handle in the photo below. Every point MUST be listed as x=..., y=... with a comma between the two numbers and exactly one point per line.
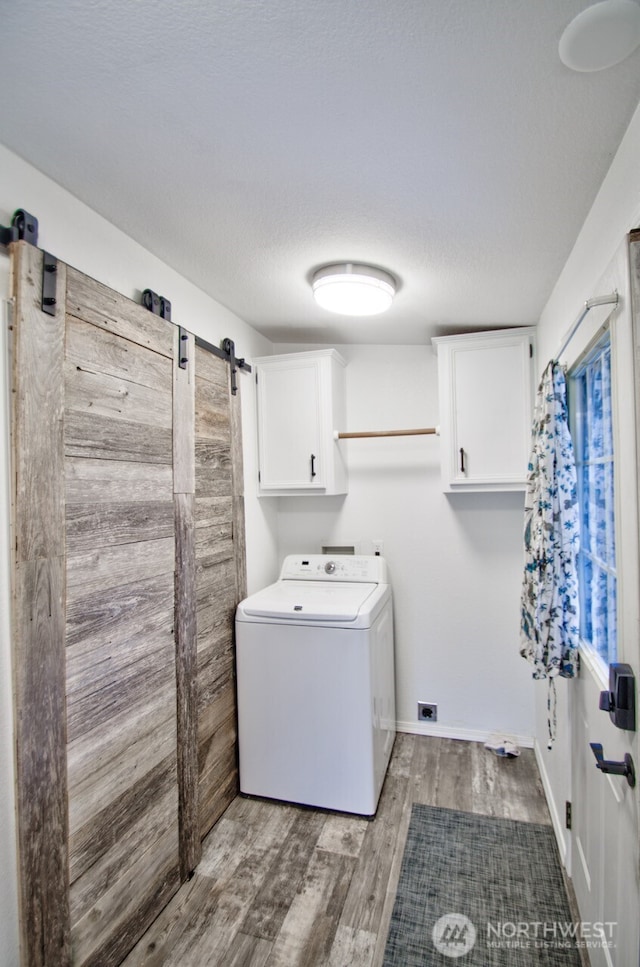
x=313, y=465
x=462, y=467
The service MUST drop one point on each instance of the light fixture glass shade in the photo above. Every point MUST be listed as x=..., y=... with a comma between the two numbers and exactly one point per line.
x=601, y=36
x=352, y=289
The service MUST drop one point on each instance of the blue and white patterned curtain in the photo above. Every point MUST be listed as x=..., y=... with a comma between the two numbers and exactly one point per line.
x=549, y=628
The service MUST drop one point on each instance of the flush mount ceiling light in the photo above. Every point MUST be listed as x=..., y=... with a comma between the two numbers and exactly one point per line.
x=352, y=289
x=601, y=36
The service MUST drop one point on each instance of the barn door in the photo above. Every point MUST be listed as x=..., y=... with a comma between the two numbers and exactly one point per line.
x=126, y=507
x=220, y=581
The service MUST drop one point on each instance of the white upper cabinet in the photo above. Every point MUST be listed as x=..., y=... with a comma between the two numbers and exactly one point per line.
x=486, y=409
x=301, y=401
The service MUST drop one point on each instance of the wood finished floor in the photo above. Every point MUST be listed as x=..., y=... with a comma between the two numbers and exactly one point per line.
x=286, y=886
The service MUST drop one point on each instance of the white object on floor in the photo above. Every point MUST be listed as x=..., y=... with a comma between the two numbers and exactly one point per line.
x=502, y=745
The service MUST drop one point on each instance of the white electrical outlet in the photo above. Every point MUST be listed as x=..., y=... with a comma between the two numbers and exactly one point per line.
x=378, y=548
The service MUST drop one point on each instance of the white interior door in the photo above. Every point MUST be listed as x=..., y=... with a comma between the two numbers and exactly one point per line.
x=605, y=822
x=604, y=833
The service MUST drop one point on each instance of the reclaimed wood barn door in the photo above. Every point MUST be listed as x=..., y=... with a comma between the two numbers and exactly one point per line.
x=220, y=582
x=129, y=561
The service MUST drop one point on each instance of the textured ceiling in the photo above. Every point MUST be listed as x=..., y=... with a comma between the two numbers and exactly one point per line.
x=248, y=142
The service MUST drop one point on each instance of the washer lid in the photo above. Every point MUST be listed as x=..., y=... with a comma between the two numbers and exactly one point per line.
x=309, y=601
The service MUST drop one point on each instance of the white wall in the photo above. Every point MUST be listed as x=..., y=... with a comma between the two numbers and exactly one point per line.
x=75, y=234
x=455, y=560
x=596, y=265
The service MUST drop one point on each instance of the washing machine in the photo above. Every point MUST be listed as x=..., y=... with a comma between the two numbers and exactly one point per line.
x=316, y=683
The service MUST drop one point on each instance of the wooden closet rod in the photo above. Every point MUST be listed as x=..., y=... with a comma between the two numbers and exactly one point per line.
x=421, y=431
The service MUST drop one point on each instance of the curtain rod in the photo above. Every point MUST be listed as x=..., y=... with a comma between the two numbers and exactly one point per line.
x=601, y=300
x=421, y=431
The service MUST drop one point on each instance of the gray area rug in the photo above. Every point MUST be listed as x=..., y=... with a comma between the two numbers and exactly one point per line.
x=480, y=891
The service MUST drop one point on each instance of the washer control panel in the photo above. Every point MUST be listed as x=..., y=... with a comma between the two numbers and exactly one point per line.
x=322, y=567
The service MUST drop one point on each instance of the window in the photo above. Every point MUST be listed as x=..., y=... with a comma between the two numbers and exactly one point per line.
x=592, y=426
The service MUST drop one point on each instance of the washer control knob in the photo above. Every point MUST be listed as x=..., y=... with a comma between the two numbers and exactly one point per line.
x=330, y=567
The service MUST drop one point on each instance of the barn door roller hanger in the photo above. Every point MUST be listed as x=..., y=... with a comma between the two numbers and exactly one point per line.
x=24, y=228
x=162, y=307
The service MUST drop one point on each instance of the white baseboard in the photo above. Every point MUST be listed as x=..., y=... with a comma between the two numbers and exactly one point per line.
x=451, y=732
x=557, y=821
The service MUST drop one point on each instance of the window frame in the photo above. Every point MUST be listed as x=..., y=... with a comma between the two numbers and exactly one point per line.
x=601, y=343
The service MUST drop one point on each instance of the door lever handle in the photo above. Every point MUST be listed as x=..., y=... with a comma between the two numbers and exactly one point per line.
x=624, y=768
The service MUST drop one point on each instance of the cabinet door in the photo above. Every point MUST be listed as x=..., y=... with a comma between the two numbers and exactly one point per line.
x=491, y=407
x=290, y=426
